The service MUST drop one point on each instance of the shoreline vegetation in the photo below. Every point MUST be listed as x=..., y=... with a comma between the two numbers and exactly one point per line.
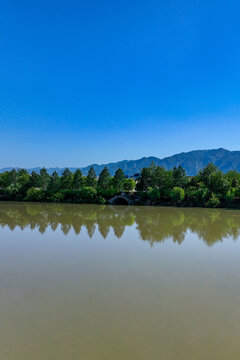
x=154, y=185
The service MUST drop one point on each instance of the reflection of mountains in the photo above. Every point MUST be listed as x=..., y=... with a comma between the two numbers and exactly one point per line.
x=154, y=224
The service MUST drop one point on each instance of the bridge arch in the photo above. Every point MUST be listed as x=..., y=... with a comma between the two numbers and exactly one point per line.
x=120, y=200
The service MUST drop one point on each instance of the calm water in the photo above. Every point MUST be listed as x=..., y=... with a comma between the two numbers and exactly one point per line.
x=91, y=282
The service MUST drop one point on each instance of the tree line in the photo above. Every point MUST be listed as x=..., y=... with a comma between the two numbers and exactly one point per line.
x=209, y=188
x=69, y=187
x=154, y=185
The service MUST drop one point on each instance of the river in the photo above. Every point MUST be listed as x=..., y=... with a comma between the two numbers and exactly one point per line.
x=95, y=282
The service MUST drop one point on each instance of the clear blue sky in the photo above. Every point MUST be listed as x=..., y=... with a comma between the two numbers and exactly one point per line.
x=98, y=81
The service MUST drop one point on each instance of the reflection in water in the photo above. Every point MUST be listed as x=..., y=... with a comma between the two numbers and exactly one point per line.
x=72, y=297
x=154, y=224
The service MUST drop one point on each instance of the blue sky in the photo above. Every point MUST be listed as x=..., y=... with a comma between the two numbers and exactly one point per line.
x=97, y=81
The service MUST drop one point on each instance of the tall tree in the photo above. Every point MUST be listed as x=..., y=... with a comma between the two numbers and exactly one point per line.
x=22, y=172
x=54, y=183
x=179, y=177
x=233, y=178
x=145, y=179
x=66, y=179
x=119, y=179
x=35, y=179
x=13, y=176
x=91, y=177
x=104, y=179
x=78, y=180
x=213, y=179
x=205, y=174
x=44, y=179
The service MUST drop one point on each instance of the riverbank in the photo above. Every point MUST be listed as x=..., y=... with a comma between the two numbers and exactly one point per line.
x=127, y=200
x=210, y=188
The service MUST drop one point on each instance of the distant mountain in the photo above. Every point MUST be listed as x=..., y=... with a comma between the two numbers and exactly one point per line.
x=191, y=161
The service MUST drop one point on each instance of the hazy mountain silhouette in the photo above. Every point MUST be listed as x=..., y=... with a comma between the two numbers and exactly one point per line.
x=191, y=161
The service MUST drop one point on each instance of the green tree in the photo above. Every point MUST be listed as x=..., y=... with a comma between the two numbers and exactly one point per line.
x=145, y=179
x=233, y=178
x=213, y=179
x=78, y=181
x=104, y=179
x=177, y=194
x=66, y=179
x=91, y=179
x=34, y=194
x=129, y=185
x=35, y=179
x=5, y=179
x=213, y=202
x=179, y=177
x=12, y=190
x=230, y=196
x=118, y=179
x=54, y=184
x=57, y=196
x=197, y=195
x=23, y=181
x=88, y=194
x=217, y=183
x=22, y=172
x=13, y=176
x=44, y=179
x=204, y=174
x=162, y=179
x=153, y=194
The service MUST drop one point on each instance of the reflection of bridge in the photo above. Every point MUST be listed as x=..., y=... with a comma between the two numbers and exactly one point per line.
x=121, y=200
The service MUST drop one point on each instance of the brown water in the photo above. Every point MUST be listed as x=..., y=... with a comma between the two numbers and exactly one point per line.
x=91, y=282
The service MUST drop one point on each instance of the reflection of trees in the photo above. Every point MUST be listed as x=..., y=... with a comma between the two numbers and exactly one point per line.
x=154, y=224
x=158, y=224
x=215, y=225
x=66, y=217
x=103, y=228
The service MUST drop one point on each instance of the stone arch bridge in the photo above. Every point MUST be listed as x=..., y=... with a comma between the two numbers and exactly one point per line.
x=122, y=199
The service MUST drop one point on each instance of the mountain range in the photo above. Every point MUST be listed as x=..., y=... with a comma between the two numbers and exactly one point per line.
x=191, y=161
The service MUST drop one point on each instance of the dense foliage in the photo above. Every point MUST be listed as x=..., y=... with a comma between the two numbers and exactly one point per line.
x=209, y=188
x=154, y=185
x=70, y=187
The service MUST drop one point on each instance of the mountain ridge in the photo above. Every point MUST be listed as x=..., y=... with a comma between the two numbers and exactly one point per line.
x=191, y=161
